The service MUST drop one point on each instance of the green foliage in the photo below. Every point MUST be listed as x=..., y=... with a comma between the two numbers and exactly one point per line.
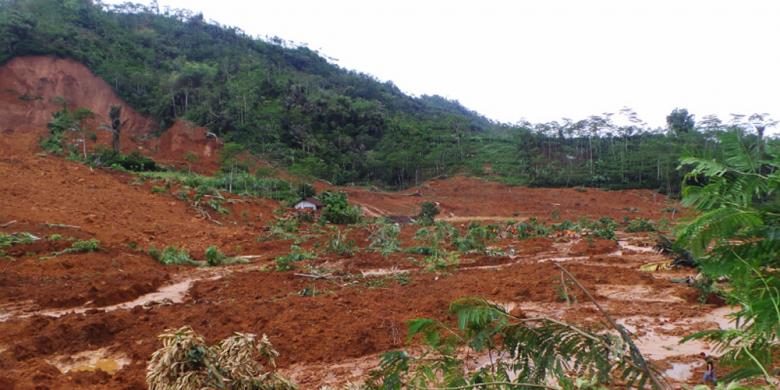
x=524, y=353
x=82, y=246
x=214, y=257
x=603, y=228
x=305, y=190
x=337, y=210
x=172, y=256
x=240, y=184
x=437, y=238
x=283, y=228
x=290, y=105
x=528, y=229
x=384, y=239
x=340, y=244
x=680, y=121
x=134, y=162
x=476, y=238
x=736, y=235
x=428, y=213
x=297, y=254
x=8, y=240
x=640, y=225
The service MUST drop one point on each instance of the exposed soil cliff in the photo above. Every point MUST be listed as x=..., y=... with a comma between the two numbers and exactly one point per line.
x=32, y=88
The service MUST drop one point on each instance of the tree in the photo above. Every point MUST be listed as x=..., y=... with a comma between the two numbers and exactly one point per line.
x=115, y=127
x=760, y=122
x=428, y=212
x=191, y=158
x=680, y=121
x=337, y=210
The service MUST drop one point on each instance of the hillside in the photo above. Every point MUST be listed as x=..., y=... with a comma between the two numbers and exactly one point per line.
x=289, y=105
x=33, y=88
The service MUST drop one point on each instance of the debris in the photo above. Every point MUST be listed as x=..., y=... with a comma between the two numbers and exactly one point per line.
x=657, y=266
x=61, y=225
x=7, y=224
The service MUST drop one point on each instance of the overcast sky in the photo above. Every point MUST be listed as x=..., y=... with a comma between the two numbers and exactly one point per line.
x=541, y=60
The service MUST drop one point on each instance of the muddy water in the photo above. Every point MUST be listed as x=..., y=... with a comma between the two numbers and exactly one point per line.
x=656, y=343
x=681, y=371
x=170, y=294
x=383, y=272
x=636, y=293
x=173, y=293
x=100, y=359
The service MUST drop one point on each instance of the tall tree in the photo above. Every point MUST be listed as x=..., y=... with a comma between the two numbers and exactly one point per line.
x=680, y=121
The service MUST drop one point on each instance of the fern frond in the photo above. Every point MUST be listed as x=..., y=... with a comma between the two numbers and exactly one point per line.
x=722, y=223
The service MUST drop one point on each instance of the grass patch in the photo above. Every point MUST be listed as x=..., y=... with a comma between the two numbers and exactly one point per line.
x=214, y=257
x=237, y=183
x=172, y=256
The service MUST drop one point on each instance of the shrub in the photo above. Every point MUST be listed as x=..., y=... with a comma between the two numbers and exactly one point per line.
x=53, y=144
x=172, y=256
x=339, y=244
x=476, y=238
x=428, y=213
x=337, y=210
x=605, y=228
x=285, y=263
x=8, y=240
x=82, y=246
x=305, y=190
x=241, y=183
x=530, y=228
x=214, y=257
x=385, y=238
x=134, y=161
x=640, y=225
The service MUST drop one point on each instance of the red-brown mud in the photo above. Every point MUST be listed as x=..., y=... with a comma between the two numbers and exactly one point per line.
x=118, y=299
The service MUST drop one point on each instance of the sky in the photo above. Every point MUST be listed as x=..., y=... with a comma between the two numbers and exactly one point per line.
x=541, y=60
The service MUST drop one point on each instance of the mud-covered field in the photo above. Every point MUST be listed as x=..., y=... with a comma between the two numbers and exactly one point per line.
x=90, y=319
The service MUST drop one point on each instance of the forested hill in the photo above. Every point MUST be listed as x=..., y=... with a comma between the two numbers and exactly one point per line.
x=290, y=105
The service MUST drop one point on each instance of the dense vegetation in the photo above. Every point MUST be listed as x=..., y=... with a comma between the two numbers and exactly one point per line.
x=735, y=238
x=290, y=105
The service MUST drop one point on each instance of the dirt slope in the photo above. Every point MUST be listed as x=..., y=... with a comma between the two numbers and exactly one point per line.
x=32, y=88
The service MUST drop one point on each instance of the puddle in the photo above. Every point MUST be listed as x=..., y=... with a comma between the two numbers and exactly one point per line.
x=636, y=294
x=659, y=346
x=383, y=272
x=99, y=359
x=170, y=294
x=564, y=259
x=332, y=375
x=635, y=248
x=681, y=371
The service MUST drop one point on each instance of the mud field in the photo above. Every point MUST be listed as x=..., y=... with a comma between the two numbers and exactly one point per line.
x=90, y=320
